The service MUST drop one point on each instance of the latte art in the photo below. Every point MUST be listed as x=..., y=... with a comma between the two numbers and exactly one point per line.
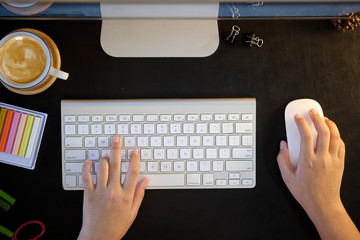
x=22, y=60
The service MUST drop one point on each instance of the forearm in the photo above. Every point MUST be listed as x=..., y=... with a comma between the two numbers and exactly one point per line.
x=334, y=223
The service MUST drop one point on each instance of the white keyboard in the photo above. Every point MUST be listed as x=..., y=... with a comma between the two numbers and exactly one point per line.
x=183, y=144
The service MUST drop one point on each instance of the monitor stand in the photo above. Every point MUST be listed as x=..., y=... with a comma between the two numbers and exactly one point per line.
x=147, y=35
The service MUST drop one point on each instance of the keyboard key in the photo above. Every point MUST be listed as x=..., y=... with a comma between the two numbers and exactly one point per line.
x=192, y=117
x=83, y=129
x=242, y=153
x=193, y=179
x=124, y=166
x=247, y=182
x=159, y=154
x=73, y=142
x=145, y=154
x=143, y=141
x=234, y=117
x=162, y=128
x=233, y=182
x=74, y=155
x=220, y=182
x=191, y=166
x=73, y=167
x=165, y=118
x=205, y=166
x=234, y=176
x=247, y=117
x=129, y=142
x=208, y=179
x=135, y=129
x=123, y=129
x=69, y=119
x=69, y=129
x=149, y=128
x=151, y=118
x=185, y=153
x=179, y=117
x=165, y=167
x=96, y=129
x=93, y=154
x=124, y=118
x=97, y=118
x=138, y=118
x=153, y=166
x=83, y=118
x=220, y=117
x=90, y=142
x=188, y=128
x=214, y=128
x=218, y=166
x=239, y=166
x=164, y=180
x=109, y=129
x=110, y=118
x=244, y=127
x=103, y=142
x=70, y=181
x=179, y=166
x=206, y=117
x=247, y=140
x=224, y=153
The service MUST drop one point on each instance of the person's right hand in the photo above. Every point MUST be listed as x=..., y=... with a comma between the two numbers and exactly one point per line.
x=316, y=180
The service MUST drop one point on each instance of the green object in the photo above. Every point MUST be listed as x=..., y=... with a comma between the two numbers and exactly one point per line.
x=6, y=231
x=7, y=197
x=4, y=205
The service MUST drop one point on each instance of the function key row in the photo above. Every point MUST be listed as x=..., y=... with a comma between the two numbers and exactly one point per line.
x=159, y=118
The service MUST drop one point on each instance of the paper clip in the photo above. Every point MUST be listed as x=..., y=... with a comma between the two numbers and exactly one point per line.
x=255, y=41
x=235, y=30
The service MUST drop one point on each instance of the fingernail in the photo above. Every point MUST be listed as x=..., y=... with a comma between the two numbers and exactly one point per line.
x=297, y=116
x=313, y=111
x=116, y=139
x=282, y=145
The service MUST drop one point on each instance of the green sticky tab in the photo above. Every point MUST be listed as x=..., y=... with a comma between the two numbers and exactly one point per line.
x=6, y=231
x=4, y=205
x=7, y=197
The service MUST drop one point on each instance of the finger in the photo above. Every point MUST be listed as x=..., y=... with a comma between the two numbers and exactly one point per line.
x=322, y=145
x=285, y=166
x=132, y=174
x=86, y=177
x=115, y=161
x=102, y=174
x=341, y=154
x=334, y=137
x=139, y=195
x=307, y=139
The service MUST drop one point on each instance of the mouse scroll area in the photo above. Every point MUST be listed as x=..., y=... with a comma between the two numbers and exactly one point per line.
x=301, y=107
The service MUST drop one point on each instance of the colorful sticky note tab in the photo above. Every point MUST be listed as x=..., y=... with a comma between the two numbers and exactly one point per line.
x=6, y=129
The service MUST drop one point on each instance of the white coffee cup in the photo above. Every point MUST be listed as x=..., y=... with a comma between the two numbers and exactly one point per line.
x=11, y=68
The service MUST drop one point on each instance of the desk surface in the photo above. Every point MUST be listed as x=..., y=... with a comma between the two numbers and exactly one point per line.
x=299, y=59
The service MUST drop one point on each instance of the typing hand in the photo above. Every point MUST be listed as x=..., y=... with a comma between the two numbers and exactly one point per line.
x=315, y=183
x=110, y=208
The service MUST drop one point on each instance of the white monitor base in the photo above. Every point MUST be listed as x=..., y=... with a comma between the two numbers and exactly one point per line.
x=159, y=37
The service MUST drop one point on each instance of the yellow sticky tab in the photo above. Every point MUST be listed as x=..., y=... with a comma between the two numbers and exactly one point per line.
x=26, y=136
x=2, y=118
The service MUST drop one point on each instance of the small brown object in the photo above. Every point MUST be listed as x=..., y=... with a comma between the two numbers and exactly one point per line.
x=349, y=23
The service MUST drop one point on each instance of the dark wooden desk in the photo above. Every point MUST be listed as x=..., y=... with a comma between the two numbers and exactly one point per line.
x=299, y=59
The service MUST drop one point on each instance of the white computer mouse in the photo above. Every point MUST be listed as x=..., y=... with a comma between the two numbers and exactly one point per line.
x=302, y=107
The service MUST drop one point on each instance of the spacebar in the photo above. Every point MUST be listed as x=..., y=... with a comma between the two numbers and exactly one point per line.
x=164, y=180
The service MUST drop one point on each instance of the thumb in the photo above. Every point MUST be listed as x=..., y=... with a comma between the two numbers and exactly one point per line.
x=139, y=195
x=285, y=166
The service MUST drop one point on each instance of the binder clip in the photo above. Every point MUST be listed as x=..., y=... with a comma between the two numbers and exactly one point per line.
x=257, y=4
x=232, y=36
x=254, y=40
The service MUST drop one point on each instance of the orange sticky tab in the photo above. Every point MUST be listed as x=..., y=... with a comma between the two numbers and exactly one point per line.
x=2, y=118
x=6, y=129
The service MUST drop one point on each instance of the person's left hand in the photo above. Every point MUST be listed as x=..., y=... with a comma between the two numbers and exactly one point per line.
x=110, y=208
